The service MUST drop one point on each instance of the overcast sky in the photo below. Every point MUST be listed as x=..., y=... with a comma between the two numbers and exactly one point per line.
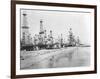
x=60, y=22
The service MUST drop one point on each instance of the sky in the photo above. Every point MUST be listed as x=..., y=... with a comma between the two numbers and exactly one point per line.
x=59, y=22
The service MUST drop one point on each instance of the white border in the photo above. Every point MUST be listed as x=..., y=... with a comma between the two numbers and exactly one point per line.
x=53, y=70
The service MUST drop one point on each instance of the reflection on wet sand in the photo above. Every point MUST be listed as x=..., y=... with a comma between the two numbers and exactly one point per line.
x=65, y=57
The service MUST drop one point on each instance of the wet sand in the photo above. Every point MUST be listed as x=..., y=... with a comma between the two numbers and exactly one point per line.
x=55, y=58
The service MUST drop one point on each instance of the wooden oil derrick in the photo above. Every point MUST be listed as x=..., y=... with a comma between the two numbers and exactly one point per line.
x=61, y=41
x=25, y=30
x=41, y=33
x=78, y=41
x=71, y=38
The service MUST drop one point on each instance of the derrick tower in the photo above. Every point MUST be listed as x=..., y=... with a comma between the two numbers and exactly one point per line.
x=41, y=27
x=51, y=37
x=41, y=33
x=25, y=29
x=71, y=38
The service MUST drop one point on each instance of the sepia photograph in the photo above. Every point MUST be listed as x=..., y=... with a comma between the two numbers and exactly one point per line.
x=54, y=39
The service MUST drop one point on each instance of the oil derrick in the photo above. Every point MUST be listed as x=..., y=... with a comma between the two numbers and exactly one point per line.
x=25, y=30
x=51, y=37
x=61, y=41
x=29, y=39
x=41, y=27
x=41, y=33
x=50, y=40
x=78, y=41
x=36, y=39
x=45, y=37
x=71, y=38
